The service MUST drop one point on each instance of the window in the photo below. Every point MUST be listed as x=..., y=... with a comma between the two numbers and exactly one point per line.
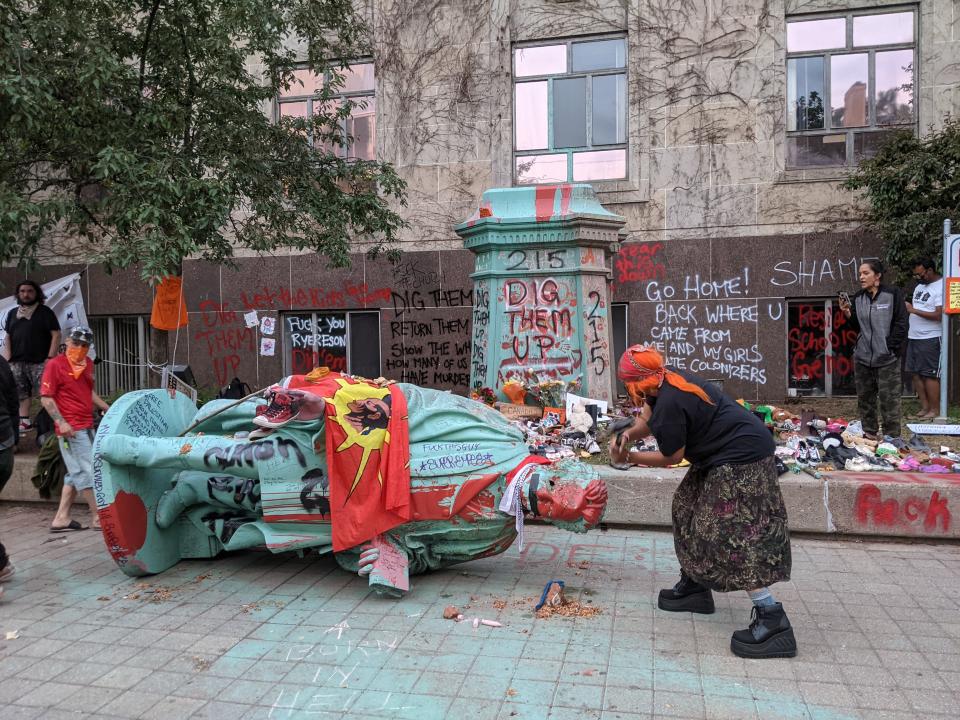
x=343, y=342
x=850, y=85
x=820, y=343
x=358, y=88
x=570, y=111
x=122, y=347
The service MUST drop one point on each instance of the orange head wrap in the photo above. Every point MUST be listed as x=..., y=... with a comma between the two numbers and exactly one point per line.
x=641, y=370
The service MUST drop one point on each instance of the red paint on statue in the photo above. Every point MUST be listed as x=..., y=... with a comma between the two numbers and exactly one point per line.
x=124, y=525
x=545, y=195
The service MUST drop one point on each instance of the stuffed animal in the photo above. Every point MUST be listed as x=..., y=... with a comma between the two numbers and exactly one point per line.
x=579, y=419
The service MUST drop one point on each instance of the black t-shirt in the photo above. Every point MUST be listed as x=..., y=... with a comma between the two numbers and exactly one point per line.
x=719, y=434
x=29, y=340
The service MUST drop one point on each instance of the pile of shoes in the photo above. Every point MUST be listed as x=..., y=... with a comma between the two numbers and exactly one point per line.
x=555, y=441
x=841, y=445
x=813, y=444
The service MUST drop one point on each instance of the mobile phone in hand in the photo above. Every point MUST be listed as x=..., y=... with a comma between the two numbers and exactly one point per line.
x=844, y=297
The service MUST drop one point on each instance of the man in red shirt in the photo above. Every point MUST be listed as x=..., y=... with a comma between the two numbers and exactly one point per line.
x=66, y=392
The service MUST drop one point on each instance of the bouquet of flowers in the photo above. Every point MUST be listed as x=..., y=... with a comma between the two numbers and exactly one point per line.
x=550, y=392
x=483, y=394
x=515, y=388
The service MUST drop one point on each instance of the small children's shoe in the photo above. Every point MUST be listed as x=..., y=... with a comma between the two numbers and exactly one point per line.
x=283, y=408
x=857, y=464
x=909, y=464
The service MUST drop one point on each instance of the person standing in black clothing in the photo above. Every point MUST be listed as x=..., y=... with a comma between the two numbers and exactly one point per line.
x=33, y=337
x=729, y=519
x=879, y=313
x=8, y=439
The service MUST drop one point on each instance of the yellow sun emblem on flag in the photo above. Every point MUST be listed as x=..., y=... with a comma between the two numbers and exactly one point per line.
x=363, y=411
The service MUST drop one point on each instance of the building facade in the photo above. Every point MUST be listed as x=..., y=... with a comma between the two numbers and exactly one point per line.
x=720, y=129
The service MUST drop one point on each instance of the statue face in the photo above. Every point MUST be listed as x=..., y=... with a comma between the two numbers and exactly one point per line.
x=568, y=500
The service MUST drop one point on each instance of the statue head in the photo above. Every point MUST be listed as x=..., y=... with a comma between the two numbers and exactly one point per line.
x=567, y=494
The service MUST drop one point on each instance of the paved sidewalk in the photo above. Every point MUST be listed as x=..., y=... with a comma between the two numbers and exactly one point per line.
x=261, y=636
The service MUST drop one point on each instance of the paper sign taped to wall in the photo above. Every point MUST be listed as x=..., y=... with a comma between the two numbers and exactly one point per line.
x=251, y=319
x=268, y=347
x=268, y=325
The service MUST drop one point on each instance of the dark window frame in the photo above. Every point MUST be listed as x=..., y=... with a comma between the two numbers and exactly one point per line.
x=286, y=349
x=851, y=134
x=114, y=373
x=569, y=73
x=359, y=97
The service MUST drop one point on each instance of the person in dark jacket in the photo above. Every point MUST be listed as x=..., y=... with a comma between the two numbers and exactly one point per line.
x=730, y=527
x=9, y=417
x=878, y=312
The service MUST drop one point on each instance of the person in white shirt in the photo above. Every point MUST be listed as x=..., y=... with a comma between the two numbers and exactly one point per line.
x=923, y=339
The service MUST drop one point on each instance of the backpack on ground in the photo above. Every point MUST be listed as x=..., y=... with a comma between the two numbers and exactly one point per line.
x=235, y=390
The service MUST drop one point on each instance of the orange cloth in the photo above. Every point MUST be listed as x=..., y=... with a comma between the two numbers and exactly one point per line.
x=368, y=455
x=77, y=357
x=169, y=308
x=641, y=369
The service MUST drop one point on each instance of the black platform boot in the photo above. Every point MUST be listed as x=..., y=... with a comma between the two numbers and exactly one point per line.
x=686, y=596
x=769, y=635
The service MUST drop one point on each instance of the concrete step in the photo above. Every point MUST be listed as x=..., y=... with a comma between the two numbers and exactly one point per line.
x=897, y=504
x=893, y=504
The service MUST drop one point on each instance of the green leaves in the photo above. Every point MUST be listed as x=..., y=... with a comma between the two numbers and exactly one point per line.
x=912, y=185
x=141, y=128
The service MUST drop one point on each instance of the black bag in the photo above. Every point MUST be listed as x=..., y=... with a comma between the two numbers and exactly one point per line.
x=235, y=390
x=43, y=425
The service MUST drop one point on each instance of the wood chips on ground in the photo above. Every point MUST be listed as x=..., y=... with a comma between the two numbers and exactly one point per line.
x=571, y=608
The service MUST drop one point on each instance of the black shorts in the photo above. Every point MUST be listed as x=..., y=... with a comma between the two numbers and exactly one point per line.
x=923, y=357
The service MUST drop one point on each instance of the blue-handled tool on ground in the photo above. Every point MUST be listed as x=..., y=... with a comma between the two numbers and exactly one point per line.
x=546, y=590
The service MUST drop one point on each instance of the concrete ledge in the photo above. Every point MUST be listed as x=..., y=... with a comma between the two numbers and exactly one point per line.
x=18, y=487
x=897, y=504
x=912, y=505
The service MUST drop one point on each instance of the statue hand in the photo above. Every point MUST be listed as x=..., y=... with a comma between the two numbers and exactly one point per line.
x=368, y=556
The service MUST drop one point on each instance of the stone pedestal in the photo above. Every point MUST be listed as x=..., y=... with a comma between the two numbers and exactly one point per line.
x=541, y=297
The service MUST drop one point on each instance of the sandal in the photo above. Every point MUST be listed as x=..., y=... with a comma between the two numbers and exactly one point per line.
x=74, y=525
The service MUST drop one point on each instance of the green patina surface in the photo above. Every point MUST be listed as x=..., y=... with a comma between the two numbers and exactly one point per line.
x=541, y=303
x=163, y=498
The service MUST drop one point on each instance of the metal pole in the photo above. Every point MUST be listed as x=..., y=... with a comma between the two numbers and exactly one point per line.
x=945, y=326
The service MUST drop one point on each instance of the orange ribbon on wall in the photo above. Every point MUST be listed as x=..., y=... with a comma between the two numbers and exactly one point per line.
x=169, y=308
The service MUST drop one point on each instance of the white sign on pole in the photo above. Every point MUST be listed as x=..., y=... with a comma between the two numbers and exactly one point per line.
x=63, y=297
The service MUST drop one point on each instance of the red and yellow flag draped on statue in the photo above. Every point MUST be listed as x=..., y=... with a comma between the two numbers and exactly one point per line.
x=368, y=455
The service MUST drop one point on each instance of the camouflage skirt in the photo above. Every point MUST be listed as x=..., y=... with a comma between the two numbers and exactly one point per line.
x=730, y=526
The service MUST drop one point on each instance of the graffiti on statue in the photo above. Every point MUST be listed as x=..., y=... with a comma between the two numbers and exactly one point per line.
x=393, y=478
